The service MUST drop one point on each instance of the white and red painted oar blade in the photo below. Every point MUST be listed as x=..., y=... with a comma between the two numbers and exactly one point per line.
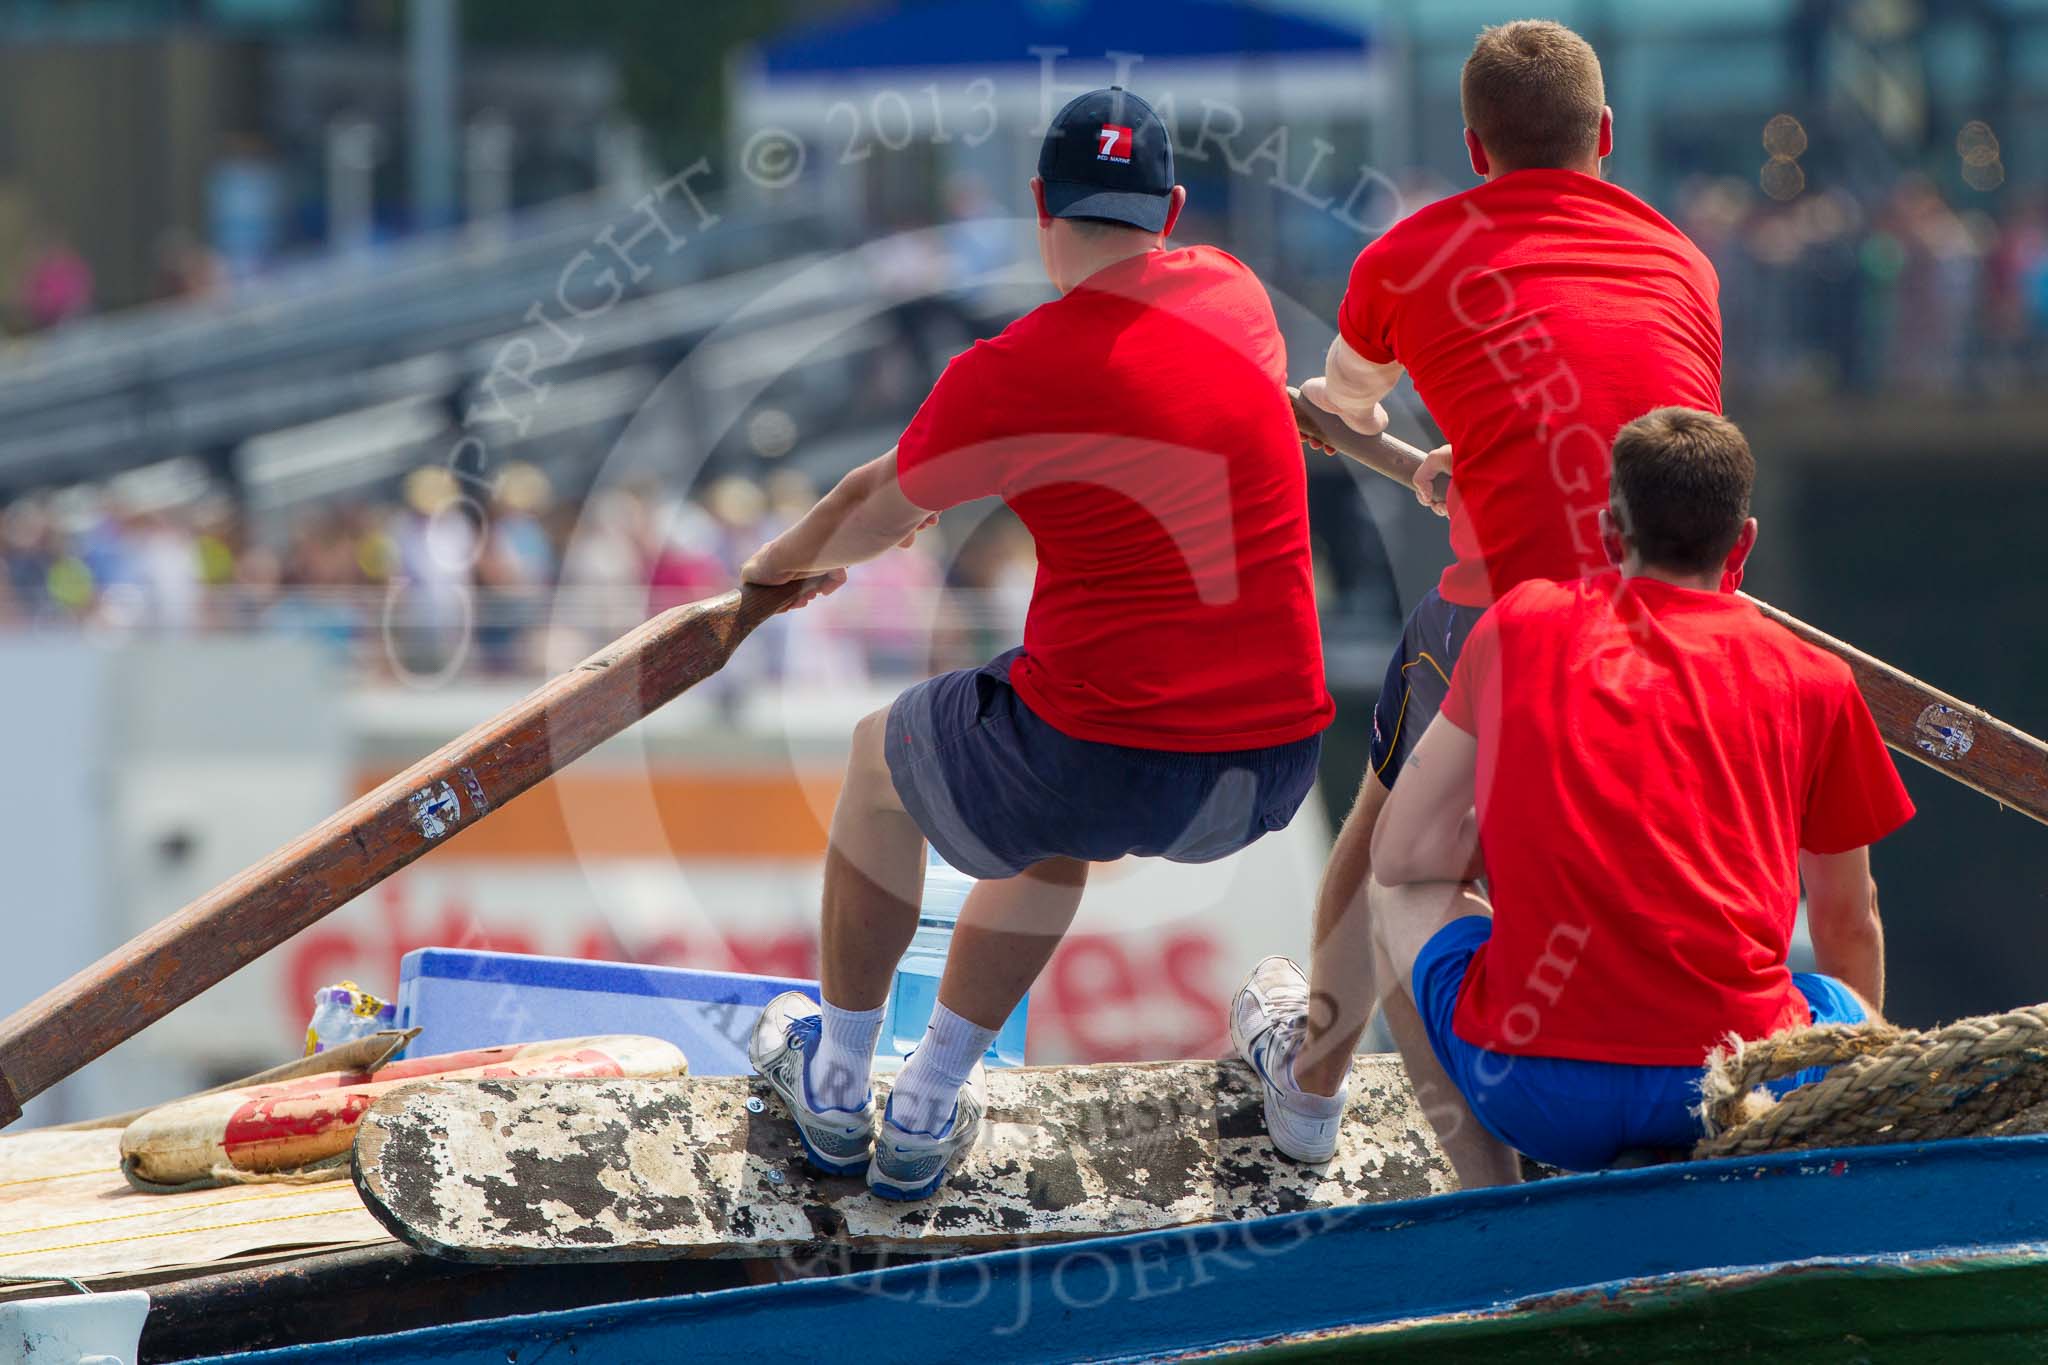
x=293, y=1124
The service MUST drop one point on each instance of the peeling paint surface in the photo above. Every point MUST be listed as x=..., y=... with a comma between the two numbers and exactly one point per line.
x=435, y=810
x=1945, y=732
x=597, y=1170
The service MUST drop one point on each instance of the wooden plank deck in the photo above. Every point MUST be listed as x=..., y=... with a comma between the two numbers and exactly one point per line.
x=66, y=1211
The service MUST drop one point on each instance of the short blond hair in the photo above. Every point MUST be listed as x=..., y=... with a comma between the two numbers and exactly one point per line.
x=1533, y=92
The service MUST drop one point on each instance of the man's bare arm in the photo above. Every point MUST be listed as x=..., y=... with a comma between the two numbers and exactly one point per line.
x=1841, y=917
x=1428, y=831
x=864, y=515
x=1352, y=387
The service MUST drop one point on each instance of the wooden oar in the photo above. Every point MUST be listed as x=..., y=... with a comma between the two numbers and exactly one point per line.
x=1952, y=737
x=358, y=1054
x=420, y=809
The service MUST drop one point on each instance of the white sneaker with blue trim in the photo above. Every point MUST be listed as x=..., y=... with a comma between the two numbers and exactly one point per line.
x=911, y=1165
x=835, y=1141
x=1268, y=1020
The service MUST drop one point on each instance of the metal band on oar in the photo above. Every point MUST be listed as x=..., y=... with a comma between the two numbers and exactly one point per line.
x=320, y=871
x=1952, y=737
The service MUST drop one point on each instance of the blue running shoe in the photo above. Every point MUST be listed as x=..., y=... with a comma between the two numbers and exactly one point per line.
x=836, y=1141
x=913, y=1165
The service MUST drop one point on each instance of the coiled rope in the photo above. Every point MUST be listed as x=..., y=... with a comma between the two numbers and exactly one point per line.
x=1985, y=1076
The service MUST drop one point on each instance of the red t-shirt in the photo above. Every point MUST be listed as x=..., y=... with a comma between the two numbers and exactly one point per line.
x=1537, y=314
x=1139, y=428
x=1651, y=759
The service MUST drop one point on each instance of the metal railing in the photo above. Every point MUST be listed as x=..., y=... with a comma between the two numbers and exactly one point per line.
x=452, y=630
x=324, y=339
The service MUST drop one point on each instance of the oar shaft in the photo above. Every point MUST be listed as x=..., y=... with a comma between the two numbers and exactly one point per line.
x=1952, y=737
x=328, y=866
x=1382, y=454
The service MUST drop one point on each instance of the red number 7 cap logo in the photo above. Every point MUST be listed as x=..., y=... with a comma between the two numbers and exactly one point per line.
x=1116, y=143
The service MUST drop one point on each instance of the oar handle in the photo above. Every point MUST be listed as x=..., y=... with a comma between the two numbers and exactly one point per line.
x=1383, y=454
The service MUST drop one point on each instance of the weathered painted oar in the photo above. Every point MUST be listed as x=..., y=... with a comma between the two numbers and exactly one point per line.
x=1952, y=737
x=358, y=1054
x=305, y=1126
x=325, y=868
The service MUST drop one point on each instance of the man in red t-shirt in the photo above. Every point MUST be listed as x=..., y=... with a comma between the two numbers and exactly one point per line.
x=1645, y=770
x=1168, y=699
x=1536, y=313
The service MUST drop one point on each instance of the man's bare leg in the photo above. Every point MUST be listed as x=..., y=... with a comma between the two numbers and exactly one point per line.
x=1343, y=985
x=874, y=878
x=1404, y=920
x=1007, y=933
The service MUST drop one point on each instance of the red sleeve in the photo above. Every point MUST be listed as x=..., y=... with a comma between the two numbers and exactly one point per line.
x=1855, y=796
x=1473, y=675
x=1365, y=318
x=951, y=453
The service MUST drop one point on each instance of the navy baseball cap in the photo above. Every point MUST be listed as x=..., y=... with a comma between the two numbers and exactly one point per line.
x=1107, y=155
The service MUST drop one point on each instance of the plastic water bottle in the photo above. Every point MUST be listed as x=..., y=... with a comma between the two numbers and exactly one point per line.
x=916, y=988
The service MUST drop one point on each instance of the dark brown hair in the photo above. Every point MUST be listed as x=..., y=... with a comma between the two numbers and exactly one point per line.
x=1532, y=92
x=1682, y=480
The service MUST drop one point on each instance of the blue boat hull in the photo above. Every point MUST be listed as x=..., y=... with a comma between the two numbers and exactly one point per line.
x=1310, y=1283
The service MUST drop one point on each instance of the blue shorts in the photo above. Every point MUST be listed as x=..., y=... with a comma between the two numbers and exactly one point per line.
x=1574, y=1114
x=996, y=789
x=1418, y=677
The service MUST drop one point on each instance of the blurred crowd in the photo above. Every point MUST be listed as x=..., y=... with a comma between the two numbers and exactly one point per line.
x=1822, y=293
x=54, y=283
x=519, y=582
x=1905, y=293
x=1908, y=290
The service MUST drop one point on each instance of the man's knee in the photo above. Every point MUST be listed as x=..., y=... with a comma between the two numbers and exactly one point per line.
x=1405, y=918
x=1381, y=902
x=867, y=763
x=1062, y=872
x=871, y=734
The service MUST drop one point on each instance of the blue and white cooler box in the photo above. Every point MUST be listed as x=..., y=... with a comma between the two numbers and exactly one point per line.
x=459, y=999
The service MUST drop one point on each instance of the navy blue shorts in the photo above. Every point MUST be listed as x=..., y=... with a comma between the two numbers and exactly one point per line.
x=1418, y=677
x=996, y=789
x=1574, y=1114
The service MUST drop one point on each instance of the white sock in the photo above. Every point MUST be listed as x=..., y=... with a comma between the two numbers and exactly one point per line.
x=1308, y=1103
x=836, y=1075
x=1304, y=1124
x=929, y=1085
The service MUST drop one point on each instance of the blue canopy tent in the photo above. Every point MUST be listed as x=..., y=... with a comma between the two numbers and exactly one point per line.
x=889, y=103
x=977, y=33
